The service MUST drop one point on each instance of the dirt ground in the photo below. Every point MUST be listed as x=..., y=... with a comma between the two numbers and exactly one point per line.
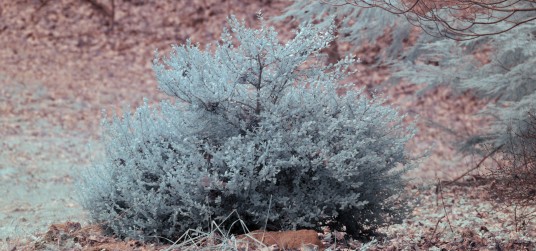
x=65, y=61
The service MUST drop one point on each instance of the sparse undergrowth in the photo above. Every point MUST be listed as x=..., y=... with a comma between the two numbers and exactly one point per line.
x=477, y=223
x=515, y=159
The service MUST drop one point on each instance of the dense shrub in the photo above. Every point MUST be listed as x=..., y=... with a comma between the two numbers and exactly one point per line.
x=257, y=127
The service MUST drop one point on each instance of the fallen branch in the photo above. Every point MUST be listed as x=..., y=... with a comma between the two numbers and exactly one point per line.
x=477, y=166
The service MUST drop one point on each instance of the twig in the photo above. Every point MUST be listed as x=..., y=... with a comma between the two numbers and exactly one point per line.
x=440, y=190
x=112, y=17
x=267, y=216
x=477, y=166
x=437, y=223
x=515, y=217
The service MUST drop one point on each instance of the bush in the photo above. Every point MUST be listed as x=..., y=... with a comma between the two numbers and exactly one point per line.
x=257, y=128
x=515, y=173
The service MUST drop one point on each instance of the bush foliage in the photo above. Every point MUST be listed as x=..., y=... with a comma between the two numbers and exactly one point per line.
x=256, y=127
x=355, y=25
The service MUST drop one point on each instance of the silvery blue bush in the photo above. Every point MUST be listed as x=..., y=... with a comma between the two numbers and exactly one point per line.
x=255, y=127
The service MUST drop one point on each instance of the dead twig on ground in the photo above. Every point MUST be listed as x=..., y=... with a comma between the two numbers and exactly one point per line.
x=476, y=167
x=439, y=193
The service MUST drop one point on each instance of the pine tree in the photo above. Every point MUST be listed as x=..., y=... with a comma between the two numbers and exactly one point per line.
x=432, y=60
x=507, y=78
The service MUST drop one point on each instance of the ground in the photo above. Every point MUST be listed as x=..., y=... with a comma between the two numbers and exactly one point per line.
x=66, y=63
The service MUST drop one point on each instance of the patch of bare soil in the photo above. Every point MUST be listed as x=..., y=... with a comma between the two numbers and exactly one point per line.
x=64, y=61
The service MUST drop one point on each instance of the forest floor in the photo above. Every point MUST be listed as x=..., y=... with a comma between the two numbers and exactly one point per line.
x=64, y=62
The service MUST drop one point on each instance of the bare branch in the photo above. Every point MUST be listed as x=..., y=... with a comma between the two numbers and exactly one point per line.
x=463, y=19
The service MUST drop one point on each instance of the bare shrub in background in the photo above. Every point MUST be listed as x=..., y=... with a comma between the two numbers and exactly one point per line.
x=515, y=173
